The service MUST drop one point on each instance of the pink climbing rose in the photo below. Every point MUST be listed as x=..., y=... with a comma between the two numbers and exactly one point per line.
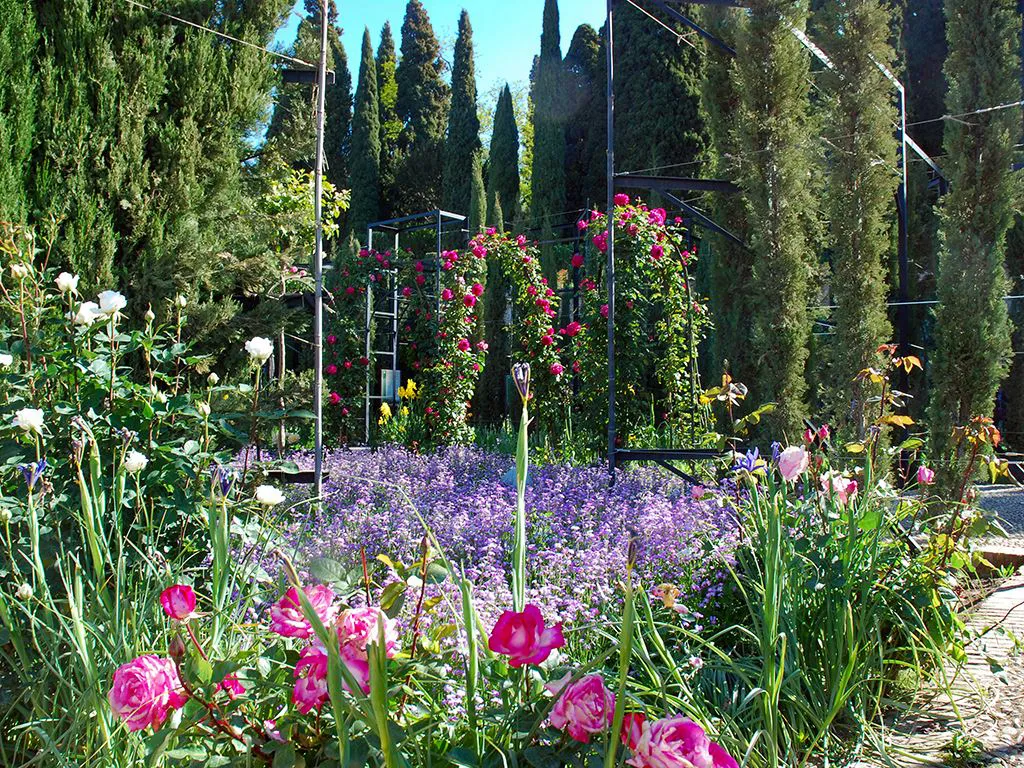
x=287, y=619
x=632, y=728
x=524, y=638
x=583, y=708
x=843, y=488
x=179, y=602
x=678, y=741
x=360, y=627
x=145, y=690
x=557, y=369
x=925, y=476
x=793, y=462
x=310, y=689
x=464, y=345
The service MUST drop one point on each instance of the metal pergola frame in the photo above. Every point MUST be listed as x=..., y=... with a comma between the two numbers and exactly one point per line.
x=442, y=222
x=668, y=186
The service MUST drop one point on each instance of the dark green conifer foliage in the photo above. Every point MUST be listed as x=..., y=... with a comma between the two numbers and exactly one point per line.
x=972, y=329
x=477, y=212
x=390, y=125
x=422, y=106
x=859, y=197
x=18, y=41
x=584, y=99
x=776, y=177
x=495, y=216
x=657, y=85
x=462, y=146
x=925, y=47
x=547, y=195
x=365, y=162
x=727, y=266
x=503, y=161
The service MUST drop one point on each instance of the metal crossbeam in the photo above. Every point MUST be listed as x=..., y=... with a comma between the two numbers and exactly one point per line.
x=703, y=220
x=687, y=22
x=674, y=183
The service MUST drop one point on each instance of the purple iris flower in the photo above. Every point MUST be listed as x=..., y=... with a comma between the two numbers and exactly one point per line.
x=751, y=462
x=223, y=478
x=32, y=472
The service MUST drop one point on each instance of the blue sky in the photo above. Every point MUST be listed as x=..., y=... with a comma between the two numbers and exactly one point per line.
x=506, y=35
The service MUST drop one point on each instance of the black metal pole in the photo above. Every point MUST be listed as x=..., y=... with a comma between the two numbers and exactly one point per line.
x=610, y=219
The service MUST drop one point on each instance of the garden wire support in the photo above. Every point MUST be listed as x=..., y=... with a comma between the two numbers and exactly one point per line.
x=441, y=222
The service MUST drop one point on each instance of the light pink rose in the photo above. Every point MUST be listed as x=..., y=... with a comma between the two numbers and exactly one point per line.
x=179, y=602
x=678, y=741
x=310, y=689
x=524, y=638
x=583, y=708
x=793, y=462
x=843, y=488
x=145, y=690
x=287, y=619
x=925, y=476
x=360, y=626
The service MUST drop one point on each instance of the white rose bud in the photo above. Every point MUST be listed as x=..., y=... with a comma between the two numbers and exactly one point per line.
x=29, y=420
x=6, y=360
x=268, y=495
x=135, y=462
x=204, y=409
x=150, y=316
x=5, y=515
x=67, y=283
x=213, y=379
x=24, y=592
x=111, y=302
x=87, y=314
x=181, y=300
x=20, y=271
x=259, y=349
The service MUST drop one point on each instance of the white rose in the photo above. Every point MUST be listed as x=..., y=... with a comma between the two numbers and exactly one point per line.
x=20, y=271
x=214, y=379
x=6, y=360
x=159, y=396
x=181, y=300
x=29, y=420
x=150, y=316
x=204, y=409
x=87, y=314
x=259, y=349
x=135, y=462
x=67, y=283
x=24, y=592
x=269, y=496
x=5, y=515
x=111, y=302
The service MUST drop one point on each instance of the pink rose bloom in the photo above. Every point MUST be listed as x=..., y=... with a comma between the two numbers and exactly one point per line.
x=601, y=242
x=464, y=345
x=524, y=638
x=406, y=291
x=469, y=300
x=344, y=411
x=521, y=241
x=604, y=310
x=583, y=708
x=479, y=251
x=310, y=689
x=418, y=266
x=678, y=741
x=656, y=216
x=231, y=685
x=657, y=252
x=420, y=279
x=477, y=289
x=351, y=290
x=581, y=224
x=556, y=369
x=843, y=488
x=347, y=364
x=332, y=339
x=492, y=230
x=335, y=398
x=287, y=619
x=446, y=294
x=360, y=627
x=824, y=432
x=793, y=462
x=632, y=728
x=572, y=329
x=331, y=369
x=577, y=260
x=925, y=476
x=145, y=690
x=179, y=602
x=621, y=199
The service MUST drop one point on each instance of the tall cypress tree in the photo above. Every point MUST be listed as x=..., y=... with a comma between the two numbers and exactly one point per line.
x=972, y=329
x=18, y=42
x=462, y=146
x=859, y=195
x=547, y=194
x=422, y=107
x=726, y=264
x=772, y=125
x=365, y=162
x=477, y=210
x=503, y=160
x=584, y=99
x=390, y=125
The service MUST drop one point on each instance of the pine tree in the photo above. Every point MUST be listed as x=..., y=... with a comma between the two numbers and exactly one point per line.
x=972, y=329
x=584, y=99
x=657, y=84
x=859, y=196
x=18, y=41
x=503, y=160
x=772, y=125
x=727, y=266
x=390, y=125
x=547, y=193
x=462, y=146
x=365, y=162
x=422, y=107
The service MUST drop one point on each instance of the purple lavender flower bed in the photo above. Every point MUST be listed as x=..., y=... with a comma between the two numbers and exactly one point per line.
x=578, y=528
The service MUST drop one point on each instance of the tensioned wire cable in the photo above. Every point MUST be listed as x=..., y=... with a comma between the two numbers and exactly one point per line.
x=224, y=35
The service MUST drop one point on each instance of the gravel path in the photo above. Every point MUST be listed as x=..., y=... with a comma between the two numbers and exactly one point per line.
x=1008, y=502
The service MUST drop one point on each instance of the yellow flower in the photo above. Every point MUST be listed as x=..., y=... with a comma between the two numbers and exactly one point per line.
x=404, y=411
x=385, y=412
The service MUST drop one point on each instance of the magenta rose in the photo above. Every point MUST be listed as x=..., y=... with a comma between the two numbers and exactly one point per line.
x=793, y=462
x=843, y=488
x=287, y=619
x=678, y=741
x=583, y=708
x=632, y=728
x=925, y=476
x=310, y=689
x=144, y=690
x=361, y=626
x=179, y=602
x=524, y=638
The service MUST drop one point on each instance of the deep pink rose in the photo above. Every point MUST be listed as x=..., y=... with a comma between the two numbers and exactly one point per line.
x=793, y=462
x=464, y=345
x=310, y=688
x=232, y=686
x=179, y=602
x=469, y=300
x=577, y=259
x=335, y=398
x=524, y=638
x=621, y=199
x=843, y=488
x=145, y=690
x=678, y=741
x=331, y=369
x=925, y=476
x=477, y=289
x=632, y=728
x=583, y=708
x=557, y=369
x=287, y=619
x=657, y=251
x=332, y=339
x=446, y=294
x=360, y=626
